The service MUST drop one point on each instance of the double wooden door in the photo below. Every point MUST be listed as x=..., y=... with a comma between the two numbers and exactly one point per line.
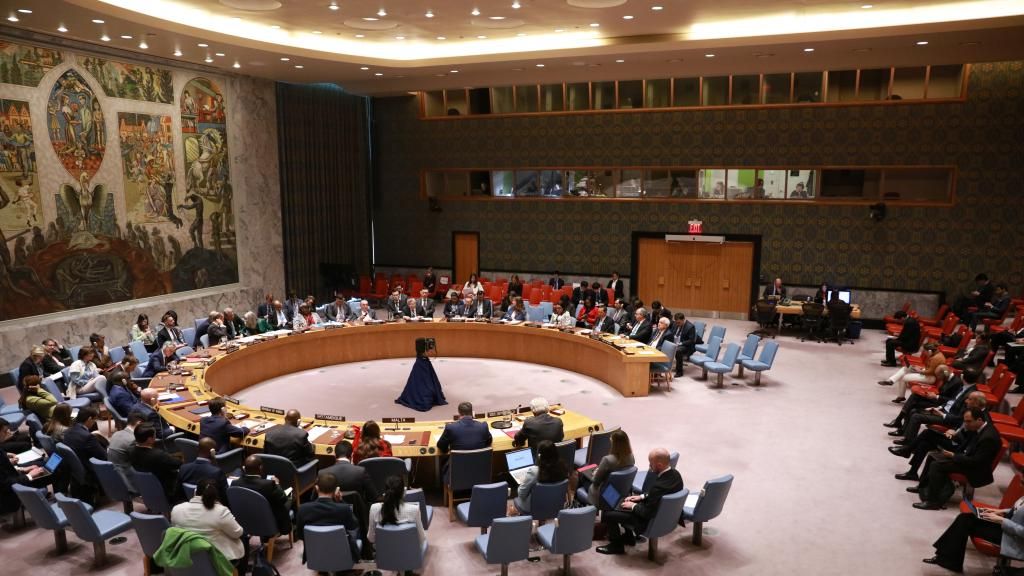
x=695, y=275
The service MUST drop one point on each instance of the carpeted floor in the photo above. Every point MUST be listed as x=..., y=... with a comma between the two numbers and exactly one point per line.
x=814, y=490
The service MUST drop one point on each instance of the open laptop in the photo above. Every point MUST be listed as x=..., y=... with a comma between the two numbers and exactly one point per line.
x=611, y=496
x=519, y=461
x=51, y=466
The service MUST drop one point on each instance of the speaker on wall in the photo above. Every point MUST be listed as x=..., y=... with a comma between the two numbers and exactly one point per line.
x=877, y=211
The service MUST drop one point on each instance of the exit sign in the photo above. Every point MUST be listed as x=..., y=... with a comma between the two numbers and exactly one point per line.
x=696, y=226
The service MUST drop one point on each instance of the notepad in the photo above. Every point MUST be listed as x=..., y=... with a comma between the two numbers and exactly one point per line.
x=317, y=431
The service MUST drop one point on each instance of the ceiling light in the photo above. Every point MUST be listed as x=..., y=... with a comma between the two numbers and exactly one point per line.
x=143, y=45
x=203, y=45
x=709, y=55
x=495, y=17
x=540, y=65
x=207, y=59
x=98, y=21
x=12, y=18
x=333, y=6
x=62, y=28
x=594, y=25
x=276, y=27
x=177, y=52
x=364, y=67
x=922, y=42
x=442, y=37
x=236, y=19
x=317, y=32
x=221, y=54
x=24, y=10
x=105, y=38
x=808, y=49
x=370, y=18
x=299, y=66
x=481, y=37
x=126, y=36
x=382, y=12
x=236, y=65
x=285, y=59
x=360, y=35
x=521, y=34
x=627, y=17
x=516, y=5
x=378, y=73
x=656, y=8
x=619, y=61
x=453, y=71
x=475, y=12
x=399, y=37
x=429, y=14
x=867, y=6
x=559, y=29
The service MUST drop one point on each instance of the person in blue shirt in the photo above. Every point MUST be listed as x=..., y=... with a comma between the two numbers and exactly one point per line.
x=218, y=427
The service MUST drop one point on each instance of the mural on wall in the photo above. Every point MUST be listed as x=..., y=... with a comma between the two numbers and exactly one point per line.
x=26, y=65
x=121, y=80
x=20, y=210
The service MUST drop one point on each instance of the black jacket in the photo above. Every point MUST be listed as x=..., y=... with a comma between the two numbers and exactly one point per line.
x=30, y=368
x=275, y=496
x=163, y=466
x=201, y=469
x=464, y=434
x=685, y=336
x=353, y=478
x=669, y=482
x=643, y=333
x=537, y=428
x=909, y=339
x=974, y=458
x=327, y=512
x=290, y=442
x=84, y=444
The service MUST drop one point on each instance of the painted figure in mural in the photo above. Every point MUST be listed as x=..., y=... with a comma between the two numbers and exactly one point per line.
x=25, y=201
x=155, y=206
x=99, y=132
x=205, y=169
x=83, y=200
x=195, y=231
x=215, y=226
x=168, y=186
x=5, y=256
x=188, y=105
x=159, y=250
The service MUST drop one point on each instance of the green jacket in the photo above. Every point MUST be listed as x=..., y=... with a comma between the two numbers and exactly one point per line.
x=179, y=545
x=41, y=404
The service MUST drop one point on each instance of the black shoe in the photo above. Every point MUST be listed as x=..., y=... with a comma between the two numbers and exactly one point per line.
x=885, y=382
x=900, y=442
x=611, y=549
x=892, y=424
x=927, y=505
x=678, y=375
x=938, y=562
x=629, y=539
x=914, y=490
x=895, y=433
x=899, y=400
x=900, y=451
x=907, y=476
x=889, y=364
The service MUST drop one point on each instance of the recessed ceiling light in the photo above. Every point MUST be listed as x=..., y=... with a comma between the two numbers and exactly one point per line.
x=619, y=61
x=540, y=65
x=867, y=6
x=299, y=66
x=364, y=67
x=236, y=65
x=360, y=35
x=98, y=21
x=709, y=55
x=516, y=5
x=370, y=18
x=12, y=18
x=453, y=71
x=627, y=17
x=143, y=45
x=595, y=24
x=808, y=49
x=207, y=59
x=62, y=28
x=24, y=10
x=236, y=19
x=285, y=59
x=126, y=36
x=429, y=14
x=559, y=29
x=656, y=8
x=378, y=73
x=922, y=42
x=399, y=37
x=382, y=12
x=440, y=75
x=333, y=6
x=317, y=32
x=105, y=38
x=475, y=12
x=521, y=34
x=203, y=45
x=481, y=37
x=495, y=17
x=221, y=54
x=177, y=52
x=442, y=37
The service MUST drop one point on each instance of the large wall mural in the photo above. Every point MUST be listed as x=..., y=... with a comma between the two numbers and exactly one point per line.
x=129, y=81
x=96, y=238
x=26, y=65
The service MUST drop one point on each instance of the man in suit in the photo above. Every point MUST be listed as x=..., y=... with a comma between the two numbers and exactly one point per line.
x=659, y=333
x=465, y=308
x=556, y=282
x=147, y=406
x=616, y=285
x=600, y=294
x=774, y=291
x=79, y=438
x=162, y=359
x=909, y=340
x=582, y=292
x=482, y=307
x=541, y=426
x=452, y=304
x=429, y=281
x=147, y=457
x=279, y=502
x=973, y=357
x=338, y=311
x=948, y=414
x=465, y=433
x=32, y=366
x=365, y=312
x=620, y=313
x=948, y=386
x=280, y=317
x=636, y=511
x=929, y=439
x=973, y=459
x=122, y=392
x=234, y=325
x=219, y=428
x=982, y=293
x=204, y=467
x=264, y=309
x=659, y=311
x=170, y=332
x=684, y=334
x=395, y=303
x=426, y=303
x=640, y=327
x=201, y=330
x=352, y=478
x=289, y=440
x=327, y=510
x=602, y=323
x=121, y=445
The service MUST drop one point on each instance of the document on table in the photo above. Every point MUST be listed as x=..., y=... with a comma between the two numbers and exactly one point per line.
x=495, y=433
x=317, y=431
x=29, y=456
x=395, y=438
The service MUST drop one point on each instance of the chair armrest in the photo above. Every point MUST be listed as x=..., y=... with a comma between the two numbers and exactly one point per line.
x=408, y=465
x=306, y=474
x=11, y=409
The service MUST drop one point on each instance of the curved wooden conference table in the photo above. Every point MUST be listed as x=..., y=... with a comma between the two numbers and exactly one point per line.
x=228, y=369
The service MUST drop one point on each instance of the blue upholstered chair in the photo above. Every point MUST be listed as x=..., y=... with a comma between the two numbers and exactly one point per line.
x=487, y=502
x=643, y=479
x=184, y=351
x=547, y=499
x=229, y=462
x=466, y=469
x=45, y=442
x=381, y=468
x=323, y=553
x=75, y=465
x=120, y=419
x=95, y=527
x=707, y=505
x=399, y=548
x=52, y=388
x=188, y=489
x=152, y=492
x=572, y=534
x=665, y=520
x=718, y=331
x=301, y=479
x=150, y=530
x=714, y=346
x=188, y=448
x=509, y=541
x=598, y=446
x=699, y=328
x=535, y=313
x=725, y=366
x=117, y=354
x=567, y=451
x=662, y=371
x=621, y=479
x=113, y=483
x=764, y=361
x=139, y=351
x=417, y=496
x=46, y=515
x=13, y=414
x=253, y=513
x=749, y=349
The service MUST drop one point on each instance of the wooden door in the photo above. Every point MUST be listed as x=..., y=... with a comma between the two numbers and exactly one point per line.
x=695, y=275
x=465, y=257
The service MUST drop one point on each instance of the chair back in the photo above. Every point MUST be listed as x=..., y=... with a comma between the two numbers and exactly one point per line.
x=534, y=312
x=575, y=530
x=419, y=497
x=1013, y=492
x=667, y=517
x=188, y=489
x=398, y=547
x=509, y=540
x=34, y=500
x=381, y=468
x=600, y=444
x=117, y=354
x=231, y=460
x=949, y=323
x=718, y=331
x=45, y=442
x=714, y=347
x=712, y=499
x=765, y=312
x=487, y=502
x=183, y=352
x=111, y=481
x=699, y=328
x=768, y=353
x=204, y=340
x=152, y=492
x=202, y=565
x=52, y=388
x=139, y=351
x=467, y=468
x=548, y=499
x=117, y=416
x=101, y=387
x=324, y=553
x=188, y=448
x=252, y=511
x=566, y=451
x=622, y=480
x=189, y=334
x=668, y=348
x=839, y=315
x=150, y=529
x=750, y=346
x=74, y=464
x=280, y=467
x=732, y=352
x=79, y=518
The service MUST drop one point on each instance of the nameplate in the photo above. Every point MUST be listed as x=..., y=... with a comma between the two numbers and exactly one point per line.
x=329, y=417
x=333, y=326
x=277, y=411
x=497, y=413
x=402, y=420
x=227, y=399
x=479, y=415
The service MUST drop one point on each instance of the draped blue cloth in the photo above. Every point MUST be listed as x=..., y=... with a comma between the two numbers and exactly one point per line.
x=423, y=389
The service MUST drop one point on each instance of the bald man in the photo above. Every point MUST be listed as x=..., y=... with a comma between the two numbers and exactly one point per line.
x=635, y=512
x=279, y=502
x=148, y=405
x=205, y=466
x=289, y=441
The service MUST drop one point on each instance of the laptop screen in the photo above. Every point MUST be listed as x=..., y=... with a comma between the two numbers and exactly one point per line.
x=844, y=295
x=611, y=496
x=519, y=459
x=52, y=464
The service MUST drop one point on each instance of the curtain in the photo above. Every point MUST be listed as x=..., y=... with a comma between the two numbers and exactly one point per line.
x=323, y=142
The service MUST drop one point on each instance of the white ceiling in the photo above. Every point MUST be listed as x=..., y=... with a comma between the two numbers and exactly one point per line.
x=307, y=41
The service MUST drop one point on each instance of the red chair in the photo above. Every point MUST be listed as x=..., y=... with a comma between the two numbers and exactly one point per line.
x=555, y=296
x=993, y=378
x=536, y=295
x=1013, y=492
x=894, y=328
x=999, y=389
x=380, y=290
x=967, y=491
x=937, y=332
x=965, y=336
x=494, y=293
x=892, y=319
x=527, y=291
x=1014, y=419
x=414, y=287
x=365, y=287
x=611, y=296
x=1017, y=324
x=996, y=321
x=940, y=315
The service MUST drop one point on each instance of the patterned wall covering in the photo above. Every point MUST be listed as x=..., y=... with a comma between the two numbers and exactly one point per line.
x=914, y=248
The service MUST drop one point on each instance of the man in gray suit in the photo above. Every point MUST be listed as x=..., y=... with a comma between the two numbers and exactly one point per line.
x=542, y=426
x=338, y=311
x=120, y=449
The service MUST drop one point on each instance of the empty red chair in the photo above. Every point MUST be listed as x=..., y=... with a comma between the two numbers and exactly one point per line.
x=999, y=389
x=1014, y=419
x=965, y=336
x=1017, y=324
x=494, y=293
x=611, y=295
x=527, y=290
x=364, y=286
x=940, y=315
x=997, y=373
x=936, y=332
x=536, y=295
x=555, y=296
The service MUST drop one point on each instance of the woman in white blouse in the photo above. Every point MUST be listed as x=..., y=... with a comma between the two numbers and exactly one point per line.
x=473, y=286
x=305, y=319
x=204, y=515
x=394, y=510
x=83, y=374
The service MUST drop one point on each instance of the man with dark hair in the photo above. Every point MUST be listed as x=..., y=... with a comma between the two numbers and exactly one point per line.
x=350, y=477
x=929, y=439
x=909, y=340
x=80, y=438
x=684, y=334
x=204, y=466
x=556, y=282
x=616, y=285
x=977, y=298
x=464, y=433
x=973, y=356
x=218, y=427
x=279, y=501
x=945, y=409
x=121, y=445
x=147, y=457
x=327, y=510
x=620, y=314
x=289, y=440
x=994, y=309
x=602, y=323
x=973, y=459
x=635, y=512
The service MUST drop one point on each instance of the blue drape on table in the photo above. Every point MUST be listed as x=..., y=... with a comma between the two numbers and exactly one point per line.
x=423, y=389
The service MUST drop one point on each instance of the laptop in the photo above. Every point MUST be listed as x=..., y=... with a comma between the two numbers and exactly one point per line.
x=611, y=497
x=519, y=461
x=51, y=466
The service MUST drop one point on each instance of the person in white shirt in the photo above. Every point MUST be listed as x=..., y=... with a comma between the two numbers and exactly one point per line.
x=472, y=286
x=365, y=312
x=561, y=318
x=83, y=375
x=206, y=516
x=305, y=319
x=394, y=510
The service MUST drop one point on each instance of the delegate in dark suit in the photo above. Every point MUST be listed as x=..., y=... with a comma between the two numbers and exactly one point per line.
x=160, y=464
x=327, y=512
x=556, y=283
x=641, y=332
x=274, y=495
x=636, y=519
x=464, y=434
x=333, y=312
x=221, y=430
x=84, y=444
x=353, y=478
x=30, y=368
x=202, y=329
x=537, y=428
x=276, y=317
x=202, y=468
x=169, y=334
x=157, y=363
x=616, y=285
x=122, y=399
x=973, y=459
x=685, y=338
x=604, y=324
x=416, y=310
x=289, y=442
x=908, y=341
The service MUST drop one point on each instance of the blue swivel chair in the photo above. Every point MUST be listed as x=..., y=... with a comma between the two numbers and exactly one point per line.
x=417, y=496
x=711, y=355
x=572, y=534
x=112, y=483
x=152, y=492
x=150, y=529
x=509, y=541
x=749, y=349
x=46, y=515
x=487, y=502
x=621, y=479
x=665, y=520
x=547, y=499
x=598, y=447
x=708, y=504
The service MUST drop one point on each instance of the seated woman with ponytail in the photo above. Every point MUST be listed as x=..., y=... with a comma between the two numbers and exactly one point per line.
x=394, y=509
x=206, y=516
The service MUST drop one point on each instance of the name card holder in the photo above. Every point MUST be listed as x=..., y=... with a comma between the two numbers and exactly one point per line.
x=328, y=418
x=270, y=410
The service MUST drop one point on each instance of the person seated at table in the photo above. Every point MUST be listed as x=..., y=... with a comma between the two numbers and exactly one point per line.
x=482, y=307
x=289, y=440
x=549, y=469
x=218, y=427
x=516, y=312
x=774, y=291
x=620, y=313
x=973, y=356
x=161, y=360
x=204, y=467
x=586, y=314
x=822, y=295
x=394, y=304
x=465, y=433
x=254, y=324
x=305, y=319
x=59, y=422
x=147, y=405
x=561, y=318
x=411, y=310
x=602, y=323
x=452, y=304
x=465, y=308
x=640, y=328
x=426, y=303
x=216, y=330
x=619, y=457
x=394, y=510
x=371, y=445
x=338, y=310
x=147, y=456
x=234, y=325
x=83, y=375
x=35, y=399
x=659, y=311
x=253, y=479
x=280, y=316
x=908, y=341
x=328, y=510
x=365, y=313
x=973, y=459
x=541, y=426
x=910, y=375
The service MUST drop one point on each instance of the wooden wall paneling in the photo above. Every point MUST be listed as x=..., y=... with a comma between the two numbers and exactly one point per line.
x=736, y=274
x=465, y=256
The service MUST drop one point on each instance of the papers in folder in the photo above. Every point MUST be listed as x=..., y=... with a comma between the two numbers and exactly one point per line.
x=29, y=456
x=395, y=438
x=317, y=431
x=167, y=397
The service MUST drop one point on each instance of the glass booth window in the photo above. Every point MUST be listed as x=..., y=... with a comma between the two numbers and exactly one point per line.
x=527, y=183
x=630, y=184
x=686, y=92
x=712, y=184
x=551, y=183
x=456, y=103
x=502, y=183
x=526, y=98
x=592, y=183
x=602, y=95
x=945, y=81
x=802, y=184
x=776, y=88
x=807, y=86
x=716, y=91
x=741, y=184
x=772, y=184
x=551, y=98
x=842, y=85
x=433, y=103
x=874, y=84
x=631, y=94
x=578, y=96
x=657, y=93
x=746, y=89
x=908, y=83
x=501, y=100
